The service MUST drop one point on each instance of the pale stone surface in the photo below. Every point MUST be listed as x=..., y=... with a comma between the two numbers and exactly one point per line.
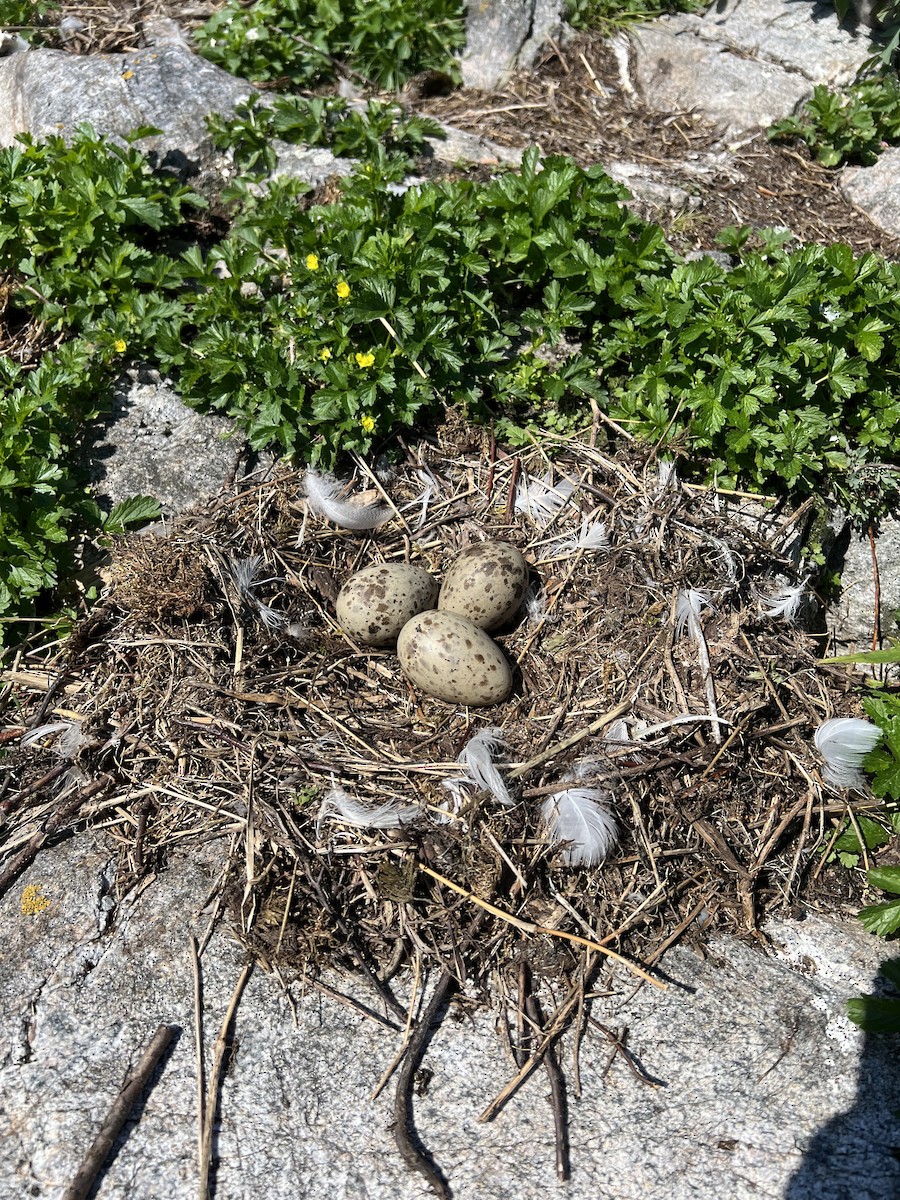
x=153, y=445
x=678, y=71
x=766, y=1090
x=460, y=146
x=851, y=618
x=874, y=189
x=311, y=164
x=794, y=34
x=744, y=63
x=502, y=35
x=651, y=187
x=50, y=91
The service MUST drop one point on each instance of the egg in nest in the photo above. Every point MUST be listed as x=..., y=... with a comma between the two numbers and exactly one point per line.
x=486, y=583
x=374, y=605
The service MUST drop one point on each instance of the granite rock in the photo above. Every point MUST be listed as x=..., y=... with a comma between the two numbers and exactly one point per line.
x=744, y=63
x=851, y=618
x=875, y=190
x=45, y=92
x=151, y=444
x=762, y=1087
x=503, y=35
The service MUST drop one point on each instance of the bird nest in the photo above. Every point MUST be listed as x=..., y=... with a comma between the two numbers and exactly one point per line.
x=213, y=693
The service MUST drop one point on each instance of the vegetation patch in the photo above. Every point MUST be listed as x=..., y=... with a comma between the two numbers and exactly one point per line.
x=851, y=126
x=302, y=43
x=82, y=253
x=536, y=300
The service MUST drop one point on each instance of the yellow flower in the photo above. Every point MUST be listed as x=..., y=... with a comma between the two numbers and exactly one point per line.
x=343, y=290
x=32, y=901
x=368, y=423
x=119, y=346
x=364, y=360
x=312, y=263
x=325, y=354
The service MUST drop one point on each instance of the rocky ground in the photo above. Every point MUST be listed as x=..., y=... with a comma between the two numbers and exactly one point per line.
x=744, y=1076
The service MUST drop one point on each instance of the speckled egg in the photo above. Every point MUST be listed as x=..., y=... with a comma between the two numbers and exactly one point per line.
x=374, y=605
x=486, y=583
x=448, y=657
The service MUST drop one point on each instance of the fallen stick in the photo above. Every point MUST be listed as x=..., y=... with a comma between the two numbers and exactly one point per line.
x=215, y=1079
x=27, y=854
x=416, y=1159
x=132, y=1088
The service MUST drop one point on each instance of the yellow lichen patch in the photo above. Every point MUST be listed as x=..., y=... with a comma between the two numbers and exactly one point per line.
x=33, y=900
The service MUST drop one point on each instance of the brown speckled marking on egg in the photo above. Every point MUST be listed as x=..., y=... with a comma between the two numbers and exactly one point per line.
x=448, y=657
x=486, y=583
x=374, y=605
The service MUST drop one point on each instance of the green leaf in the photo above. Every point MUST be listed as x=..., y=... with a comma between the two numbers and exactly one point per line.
x=874, y=835
x=143, y=209
x=890, y=655
x=886, y=878
x=881, y=919
x=875, y=1014
x=134, y=511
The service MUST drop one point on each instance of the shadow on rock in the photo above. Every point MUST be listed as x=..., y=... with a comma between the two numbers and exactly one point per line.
x=856, y=1156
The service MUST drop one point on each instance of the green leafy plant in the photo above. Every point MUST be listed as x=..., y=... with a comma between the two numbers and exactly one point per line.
x=130, y=513
x=78, y=223
x=603, y=14
x=40, y=501
x=885, y=15
x=851, y=126
x=303, y=42
x=884, y=761
x=360, y=314
x=883, y=919
x=847, y=848
x=79, y=254
x=34, y=20
x=321, y=121
x=740, y=239
x=879, y=1014
x=525, y=299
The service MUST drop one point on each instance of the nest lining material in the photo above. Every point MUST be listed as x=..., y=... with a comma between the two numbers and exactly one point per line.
x=205, y=718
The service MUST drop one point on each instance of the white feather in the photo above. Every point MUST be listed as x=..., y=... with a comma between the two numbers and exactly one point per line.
x=580, y=817
x=844, y=743
x=270, y=617
x=68, y=741
x=476, y=757
x=733, y=563
x=688, y=607
x=323, y=496
x=617, y=733
x=424, y=498
x=785, y=603
x=534, y=604
x=593, y=536
x=668, y=475
x=540, y=499
x=337, y=805
x=458, y=792
x=587, y=769
x=245, y=572
x=42, y=731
